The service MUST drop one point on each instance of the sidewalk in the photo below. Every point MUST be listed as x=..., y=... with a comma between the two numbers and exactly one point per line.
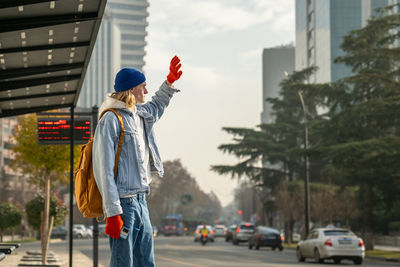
x=79, y=259
x=390, y=248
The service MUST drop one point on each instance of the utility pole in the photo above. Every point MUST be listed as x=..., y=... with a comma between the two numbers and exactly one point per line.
x=306, y=168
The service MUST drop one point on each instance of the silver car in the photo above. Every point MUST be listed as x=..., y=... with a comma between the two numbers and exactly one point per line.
x=220, y=230
x=242, y=233
x=331, y=243
x=79, y=231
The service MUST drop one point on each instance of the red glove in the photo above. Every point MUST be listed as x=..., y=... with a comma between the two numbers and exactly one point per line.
x=174, y=72
x=113, y=226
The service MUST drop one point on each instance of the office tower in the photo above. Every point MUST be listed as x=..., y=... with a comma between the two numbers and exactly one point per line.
x=130, y=16
x=369, y=8
x=14, y=186
x=103, y=65
x=276, y=61
x=120, y=43
x=320, y=28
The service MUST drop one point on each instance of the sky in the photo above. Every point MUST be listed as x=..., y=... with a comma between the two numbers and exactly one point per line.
x=220, y=44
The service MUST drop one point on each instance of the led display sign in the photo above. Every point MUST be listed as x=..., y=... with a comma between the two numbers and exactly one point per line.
x=53, y=131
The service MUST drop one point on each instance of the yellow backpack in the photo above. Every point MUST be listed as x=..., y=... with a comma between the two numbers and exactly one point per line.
x=87, y=194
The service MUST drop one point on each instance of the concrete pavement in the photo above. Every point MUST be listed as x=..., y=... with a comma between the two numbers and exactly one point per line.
x=82, y=246
x=79, y=259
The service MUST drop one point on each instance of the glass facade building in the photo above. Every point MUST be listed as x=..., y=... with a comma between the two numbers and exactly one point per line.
x=131, y=18
x=276, y=61
x=120, y=43
x=104, y=64
x=320, y=28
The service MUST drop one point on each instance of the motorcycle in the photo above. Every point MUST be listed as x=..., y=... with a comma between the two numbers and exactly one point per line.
x=204, y=239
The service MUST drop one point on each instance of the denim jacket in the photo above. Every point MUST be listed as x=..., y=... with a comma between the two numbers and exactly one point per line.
x=130, y=172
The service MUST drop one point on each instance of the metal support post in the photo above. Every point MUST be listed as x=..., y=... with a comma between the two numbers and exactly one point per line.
x=95, y=111
x=306, y=169
x=71, y=186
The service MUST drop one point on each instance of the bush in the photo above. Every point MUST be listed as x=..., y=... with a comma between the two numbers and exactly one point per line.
x=10, y=216
x=394, y=226
x=36, y=206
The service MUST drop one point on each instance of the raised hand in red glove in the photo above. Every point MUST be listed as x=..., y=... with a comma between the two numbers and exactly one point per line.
x=113, y=226
x=174, y=72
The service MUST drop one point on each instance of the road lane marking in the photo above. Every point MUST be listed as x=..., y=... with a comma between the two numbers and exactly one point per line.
x=180, y=262
x=276, y=265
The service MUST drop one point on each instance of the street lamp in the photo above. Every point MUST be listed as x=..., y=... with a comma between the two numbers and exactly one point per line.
x=306, y=167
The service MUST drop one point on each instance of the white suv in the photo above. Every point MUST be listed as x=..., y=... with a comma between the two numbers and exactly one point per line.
x=79, y=231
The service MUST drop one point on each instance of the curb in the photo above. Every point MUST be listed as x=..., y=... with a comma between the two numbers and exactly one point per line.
x=289, y=248
x=382, y=259
x=79, y=259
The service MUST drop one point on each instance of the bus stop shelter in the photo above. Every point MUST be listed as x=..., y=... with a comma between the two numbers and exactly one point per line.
x=45, y=48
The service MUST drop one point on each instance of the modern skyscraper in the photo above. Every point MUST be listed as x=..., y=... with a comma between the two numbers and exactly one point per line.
x=130, y=16
x=320, y=28
x=276, y=61
x=104, y=64
x=120, y=43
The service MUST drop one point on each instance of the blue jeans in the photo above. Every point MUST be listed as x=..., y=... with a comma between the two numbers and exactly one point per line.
x=137, y=250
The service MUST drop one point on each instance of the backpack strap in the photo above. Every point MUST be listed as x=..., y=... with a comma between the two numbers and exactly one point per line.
x=121, y=137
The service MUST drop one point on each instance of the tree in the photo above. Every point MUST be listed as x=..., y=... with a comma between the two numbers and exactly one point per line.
x=290, y=201
x=361, y=132
x=35, y=207
x=277, y=145
x=166, y=196
x=346, y=205
x=4, y=185
x=330, y=204
x=10, y=216
x=44, y=164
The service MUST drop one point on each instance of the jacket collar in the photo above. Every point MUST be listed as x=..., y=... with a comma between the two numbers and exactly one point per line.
x=114, y=103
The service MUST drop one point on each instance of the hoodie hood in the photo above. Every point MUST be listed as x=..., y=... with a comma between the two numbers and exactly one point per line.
x=114, y=103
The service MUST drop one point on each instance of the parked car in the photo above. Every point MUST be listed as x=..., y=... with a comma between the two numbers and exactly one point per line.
x=59, y=232
x=89, y=231
x=197, y=233
x=79, y=231
x=265, y=237
x=331, y=243
x=229, y=232
x=102, y=228
x=242, y=233
x=219, y=230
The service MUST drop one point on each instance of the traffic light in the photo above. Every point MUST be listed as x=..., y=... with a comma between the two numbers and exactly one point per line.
x=240, y=212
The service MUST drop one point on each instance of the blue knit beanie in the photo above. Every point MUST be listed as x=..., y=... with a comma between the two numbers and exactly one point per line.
x=128, y=78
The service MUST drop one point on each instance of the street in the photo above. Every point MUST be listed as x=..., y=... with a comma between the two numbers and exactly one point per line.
x=182, y=251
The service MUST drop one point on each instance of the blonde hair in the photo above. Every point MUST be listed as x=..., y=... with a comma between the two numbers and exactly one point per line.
x=126, y=97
